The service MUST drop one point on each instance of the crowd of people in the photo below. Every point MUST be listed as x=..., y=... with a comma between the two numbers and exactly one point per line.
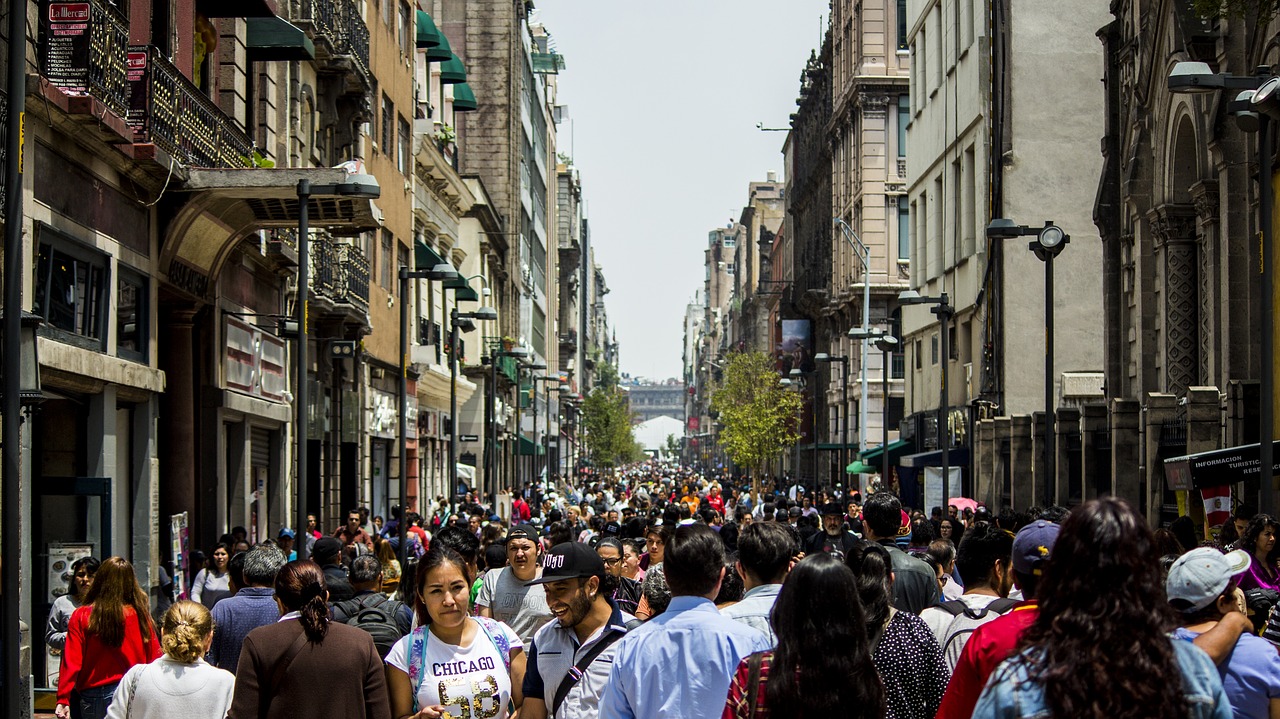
x=658, y=592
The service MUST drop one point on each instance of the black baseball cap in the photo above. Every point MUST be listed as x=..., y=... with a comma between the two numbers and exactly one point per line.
x=569, y=560
x=612, y=529
x=523, y=531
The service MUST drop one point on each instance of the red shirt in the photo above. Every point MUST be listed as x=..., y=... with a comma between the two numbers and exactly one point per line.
x=521, y=509
x=421, y=535
x=737, y=705
x=989, y=645
x=717, y=503
x=88, y=663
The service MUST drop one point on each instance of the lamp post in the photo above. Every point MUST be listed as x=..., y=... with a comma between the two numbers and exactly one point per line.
x=864, y=253
x=886, y=344
x=352, y=186
x=533, y=408
x=546, y=411
x=787, y=383
x=1256, y=105
x=943, y=309
x=800, y=375
x=1050, y=240
x=440, y=273
x=843, y=416
x=457, y=319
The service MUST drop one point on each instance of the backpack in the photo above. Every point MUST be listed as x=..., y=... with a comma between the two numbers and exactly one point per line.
x=375, y=614
x=966, y=620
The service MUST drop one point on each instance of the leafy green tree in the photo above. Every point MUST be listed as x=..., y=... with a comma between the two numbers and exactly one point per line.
x=760, y=417
x=673, y=447
x=606, y=416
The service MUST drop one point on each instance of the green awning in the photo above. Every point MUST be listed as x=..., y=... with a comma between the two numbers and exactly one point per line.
x=428, y=35
x=272, y=39
x=441, y=52
x=453, y=71
x=857, y=467
x=425, y=258
x=464, y=100
x=528, y=448
x=462, y=291
x=897, y=450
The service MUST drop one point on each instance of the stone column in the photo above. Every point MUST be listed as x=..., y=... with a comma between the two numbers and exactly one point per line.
x=1041, y=489
x=1068, y=425
x=1126, y=452
x=178, y=461
x=1204, y=195
x=1174, y=231
x=1001, y=464
x=1159, y=408
x=1020, y=457
x=985, y=479
x=102, y=461
x=1093, y=430
x=1204, y=433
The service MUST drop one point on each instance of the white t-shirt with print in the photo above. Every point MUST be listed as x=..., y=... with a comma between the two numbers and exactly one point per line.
x=470, y=682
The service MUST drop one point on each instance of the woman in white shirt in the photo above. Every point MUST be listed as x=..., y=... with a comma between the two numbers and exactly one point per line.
x=453, y=663
x=180, y=683
x=214, y=581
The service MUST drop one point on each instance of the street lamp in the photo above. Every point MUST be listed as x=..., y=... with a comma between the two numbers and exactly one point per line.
x=352, y=186
x=457, y=319
x=843, y=416
x=1049, y=241
x=943, y=309
x=886, y=344
x=533, y=408
x=864, y=253
x=546, y=410
x=1255, y=107
x=801, y=376
x=442, y=272
x=786, y=383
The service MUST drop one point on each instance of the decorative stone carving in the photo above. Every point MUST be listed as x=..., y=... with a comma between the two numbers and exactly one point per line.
x=1205, y=196
x=1174, y=230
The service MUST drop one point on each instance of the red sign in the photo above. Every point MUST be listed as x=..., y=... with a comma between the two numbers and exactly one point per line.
x=69, y=12
x=694, y=422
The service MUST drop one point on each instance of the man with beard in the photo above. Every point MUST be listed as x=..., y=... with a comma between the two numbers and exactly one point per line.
x=569, y=658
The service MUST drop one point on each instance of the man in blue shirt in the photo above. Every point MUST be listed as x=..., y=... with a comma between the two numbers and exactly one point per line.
x=253, y=606
x=680, y=663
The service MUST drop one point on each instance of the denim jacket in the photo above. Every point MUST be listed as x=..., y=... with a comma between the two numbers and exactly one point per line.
x=1010, y=695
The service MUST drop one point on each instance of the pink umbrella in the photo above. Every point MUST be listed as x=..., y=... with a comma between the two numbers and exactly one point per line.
x=963, y=503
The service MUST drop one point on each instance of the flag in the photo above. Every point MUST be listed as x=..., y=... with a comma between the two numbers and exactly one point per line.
x=1217, y=504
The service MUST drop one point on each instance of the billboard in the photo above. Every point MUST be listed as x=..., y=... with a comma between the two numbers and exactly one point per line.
x=796, y=349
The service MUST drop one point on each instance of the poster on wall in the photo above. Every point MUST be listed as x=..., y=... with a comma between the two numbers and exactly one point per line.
x=61, y=557
x=933, y=486
x=796, y=350
x=179, y=548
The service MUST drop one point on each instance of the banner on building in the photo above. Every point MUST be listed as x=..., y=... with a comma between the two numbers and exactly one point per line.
x=1217, y=505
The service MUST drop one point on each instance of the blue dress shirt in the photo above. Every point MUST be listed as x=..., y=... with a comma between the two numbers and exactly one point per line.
x=678, y=664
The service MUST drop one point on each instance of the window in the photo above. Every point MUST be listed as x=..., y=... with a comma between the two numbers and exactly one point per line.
x=933, y=348
x=728, y=270
x=539, y=328
x=730, y=242
x=388, y=124
x=404, y=160
x=71, y=291
x=919, y=355
x=904, y=118
x=384, y=260
x=387, y=10
x=402, y=29
x=132, y=316
x=904, y=230
x=968, y=204
x=902, y=24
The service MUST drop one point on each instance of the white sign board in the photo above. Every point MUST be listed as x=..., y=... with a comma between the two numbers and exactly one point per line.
x=933, y=487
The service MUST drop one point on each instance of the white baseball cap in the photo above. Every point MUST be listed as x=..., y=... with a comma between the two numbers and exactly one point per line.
x=1200, y=576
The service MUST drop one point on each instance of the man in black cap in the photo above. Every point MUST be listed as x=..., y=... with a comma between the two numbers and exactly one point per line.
x=327, y=552
x=833, y=537
x=587, y=625
x=506, y=595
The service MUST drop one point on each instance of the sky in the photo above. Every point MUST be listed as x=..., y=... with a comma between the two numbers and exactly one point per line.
x=663, y=99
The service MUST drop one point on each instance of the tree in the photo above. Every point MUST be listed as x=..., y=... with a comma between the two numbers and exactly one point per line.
x=673, y=447
x=760, y=417
x=606, y=416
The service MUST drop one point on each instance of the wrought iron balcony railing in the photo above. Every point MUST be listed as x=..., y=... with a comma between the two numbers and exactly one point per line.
x=338, y=24
x=353, y=275
x=175, y=115
x=84, y=51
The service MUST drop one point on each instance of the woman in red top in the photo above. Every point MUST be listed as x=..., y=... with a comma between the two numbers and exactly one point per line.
x=106, y=636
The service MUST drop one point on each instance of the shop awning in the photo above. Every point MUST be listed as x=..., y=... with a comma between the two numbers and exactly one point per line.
x=958, y=457
x=425, y=258
x=441, y=52
x=898, y=449
x=453, y=71
x=273, y=39
x=858, y=467
x=528, y=448
x=462, y=291
x=428, y=35
x=464, y=100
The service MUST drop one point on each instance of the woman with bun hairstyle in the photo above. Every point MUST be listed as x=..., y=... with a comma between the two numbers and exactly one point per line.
x=306, y=665
x=106, y=636
x=180, y=683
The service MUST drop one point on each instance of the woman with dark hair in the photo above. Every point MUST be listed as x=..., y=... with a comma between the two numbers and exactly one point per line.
x=213, y=582
x=1259, y=540
x=79, y=579
x=454, y=663
x=1100, y=645
x=907, y=656
x=947, y=529
x=306, y=665
x=1168, y=543
x=111, y=632
x=822, y=666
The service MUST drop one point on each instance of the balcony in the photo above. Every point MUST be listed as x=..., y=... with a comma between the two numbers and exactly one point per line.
x=569, y=339
x=83, y=54
x=172, y=114
x=340, y=35
x=339, y=276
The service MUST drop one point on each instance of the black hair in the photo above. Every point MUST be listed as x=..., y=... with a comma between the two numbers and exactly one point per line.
x=982, y=546
x=300, y=587
x=873, y=568
x=921, y=532
x=883, y=514
x=732, y=587
x=88, y=564
x=235, y=568
x=461, y=541
x=693, y=560
x=495, y=556
x=822, y=666
x=408, y=576
x=766, y=549
x=729, y=534
x=364, y=569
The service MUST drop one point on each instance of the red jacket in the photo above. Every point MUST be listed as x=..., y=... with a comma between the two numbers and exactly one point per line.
x=989, y=645
x=88, y=663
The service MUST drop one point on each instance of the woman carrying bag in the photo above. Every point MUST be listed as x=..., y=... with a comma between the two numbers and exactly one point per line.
x=105, y=637
x=180, y=683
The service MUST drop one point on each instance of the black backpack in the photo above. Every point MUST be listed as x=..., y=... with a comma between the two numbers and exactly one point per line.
x=375, y=614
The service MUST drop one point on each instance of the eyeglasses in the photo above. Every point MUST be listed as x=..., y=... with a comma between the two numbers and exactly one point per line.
x=611, y=560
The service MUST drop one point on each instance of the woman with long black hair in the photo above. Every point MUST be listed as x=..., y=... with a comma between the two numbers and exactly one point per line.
x=822, y=666
x=907, y=656
x=1100, y=646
